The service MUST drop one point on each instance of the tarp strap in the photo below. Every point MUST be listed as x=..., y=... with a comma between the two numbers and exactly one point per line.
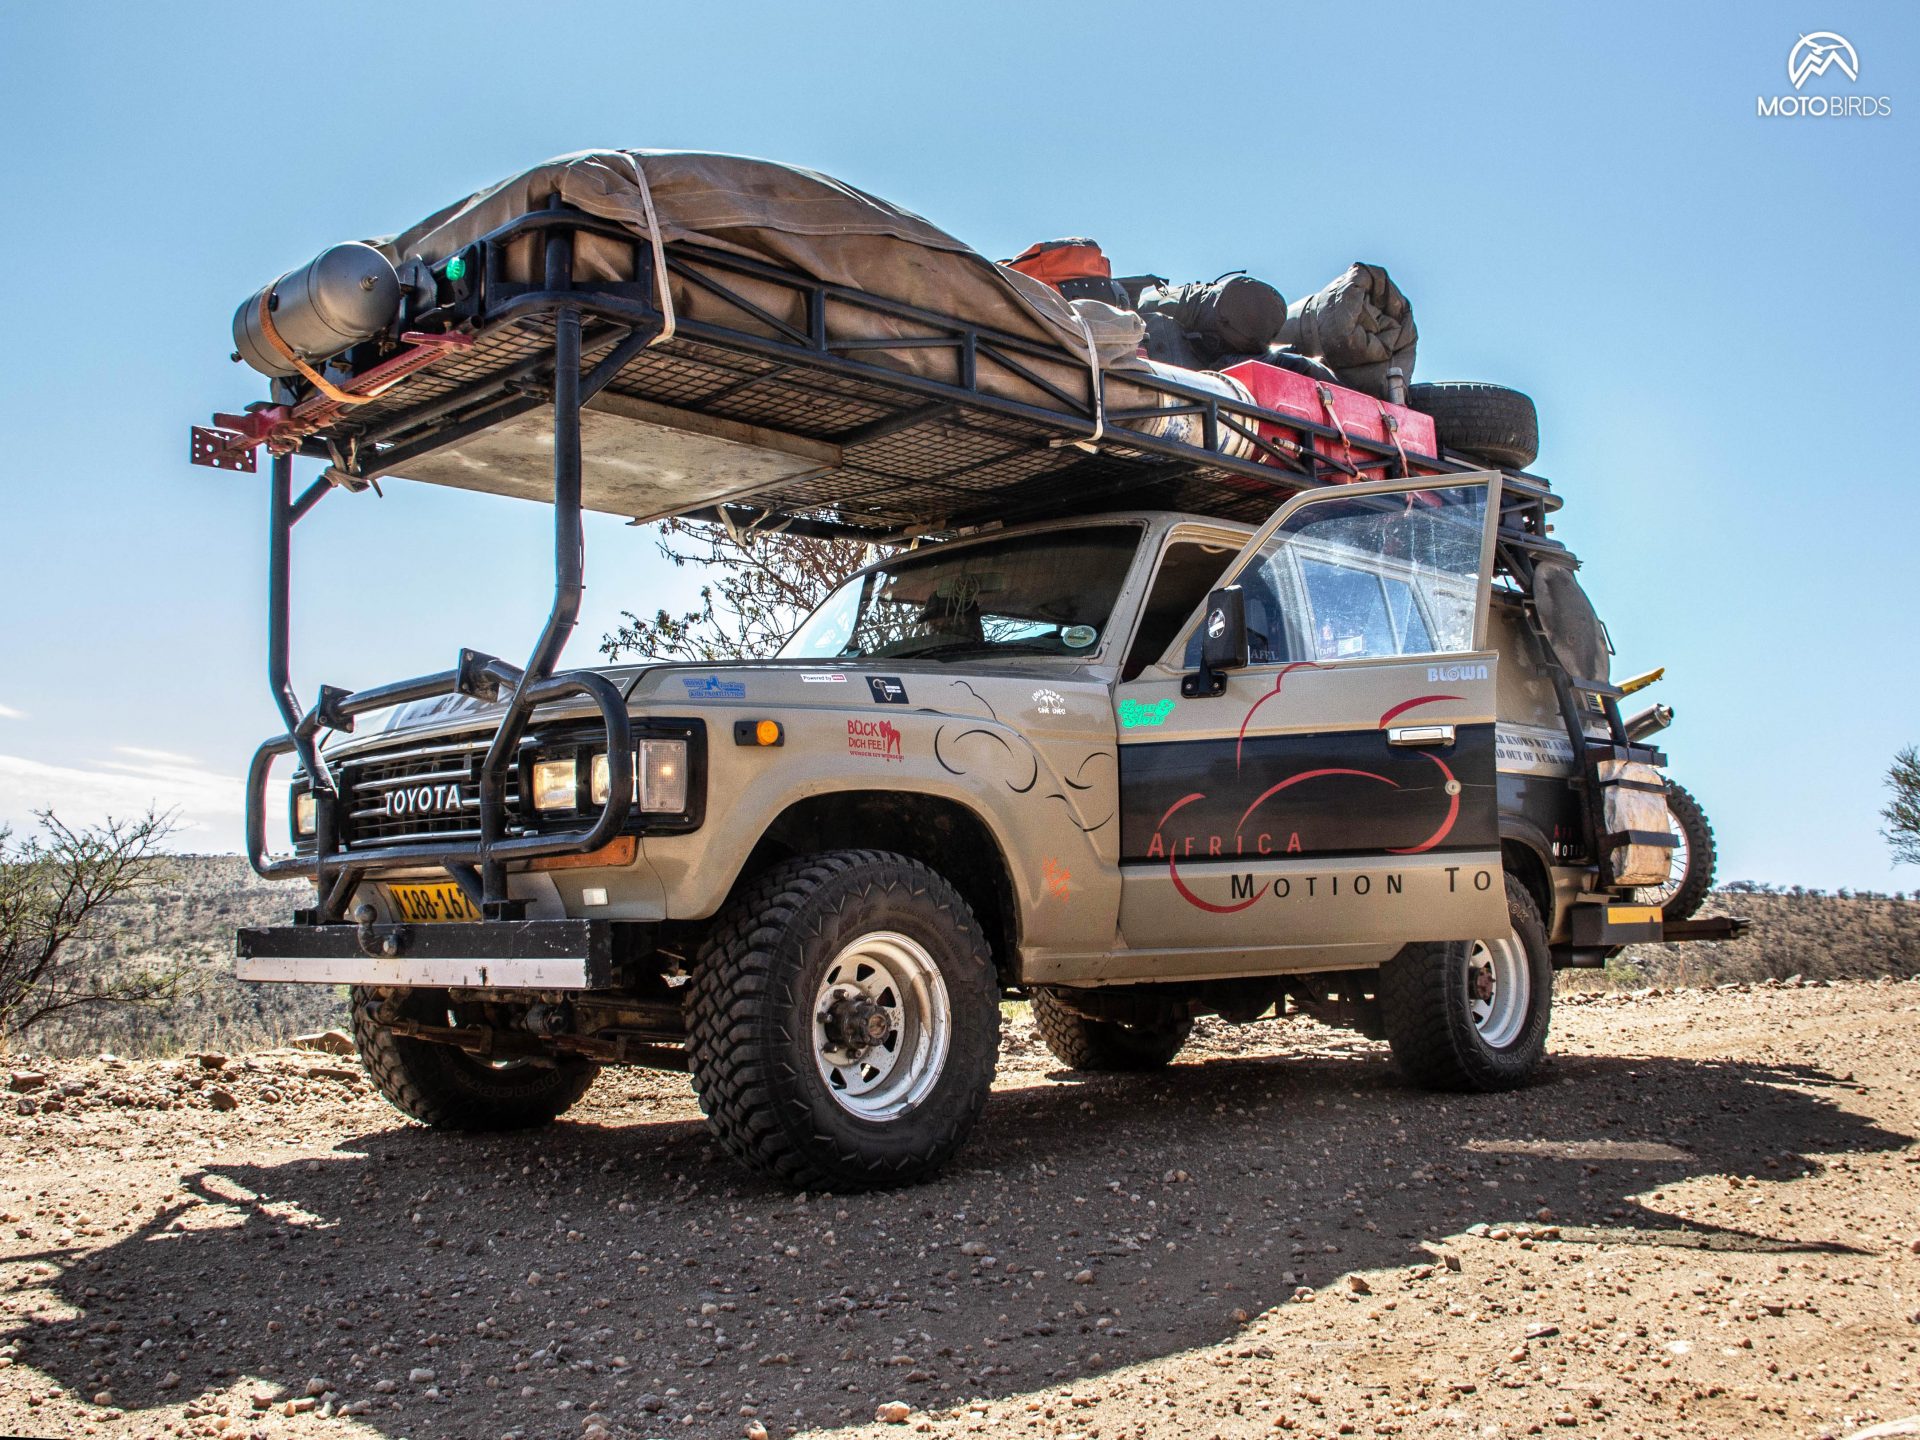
x=1333, y=416
x=1099, y=391
x=663, y=289
x=1391, y=422
x=320, y=382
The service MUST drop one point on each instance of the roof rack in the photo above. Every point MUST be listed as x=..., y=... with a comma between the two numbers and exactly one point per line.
x=915, y=437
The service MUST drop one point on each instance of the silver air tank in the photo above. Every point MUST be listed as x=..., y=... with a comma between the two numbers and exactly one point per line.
x=342, y=296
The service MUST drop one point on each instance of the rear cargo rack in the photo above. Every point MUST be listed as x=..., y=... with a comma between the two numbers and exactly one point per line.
x=924, y=450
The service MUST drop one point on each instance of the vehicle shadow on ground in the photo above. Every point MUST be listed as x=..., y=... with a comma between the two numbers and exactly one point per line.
x=1089, y=1224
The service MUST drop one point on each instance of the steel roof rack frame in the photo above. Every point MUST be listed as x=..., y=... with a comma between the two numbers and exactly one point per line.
x=475, y=349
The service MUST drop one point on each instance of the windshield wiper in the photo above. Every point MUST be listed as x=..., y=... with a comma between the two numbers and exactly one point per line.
x=955, y=648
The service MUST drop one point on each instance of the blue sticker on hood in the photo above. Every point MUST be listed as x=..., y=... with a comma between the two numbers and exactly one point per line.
x=712, y=687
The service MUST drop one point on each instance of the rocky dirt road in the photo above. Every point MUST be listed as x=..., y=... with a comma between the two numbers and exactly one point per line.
x=1705, y=1221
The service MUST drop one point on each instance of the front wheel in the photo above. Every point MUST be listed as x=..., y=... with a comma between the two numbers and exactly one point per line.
x=443, y=1086
x=844, y=1022
x=1472, y=1015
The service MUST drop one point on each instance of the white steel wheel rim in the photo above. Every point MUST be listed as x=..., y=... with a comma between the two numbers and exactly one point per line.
x=893, y=975
x=1499, y=989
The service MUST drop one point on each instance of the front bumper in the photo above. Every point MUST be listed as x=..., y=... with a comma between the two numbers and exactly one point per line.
x=488, y=955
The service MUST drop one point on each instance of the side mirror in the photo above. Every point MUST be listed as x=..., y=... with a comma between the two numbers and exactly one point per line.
x=1223, y=643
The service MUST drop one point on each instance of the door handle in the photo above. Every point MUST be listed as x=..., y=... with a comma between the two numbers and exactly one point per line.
x=1420, y=735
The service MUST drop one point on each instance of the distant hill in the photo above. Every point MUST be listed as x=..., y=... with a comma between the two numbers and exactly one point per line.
x=1816, y=936
x=192, y=918
x=1820, y=937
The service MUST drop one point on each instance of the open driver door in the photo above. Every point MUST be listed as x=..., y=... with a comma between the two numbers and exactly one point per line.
x=1311, y=768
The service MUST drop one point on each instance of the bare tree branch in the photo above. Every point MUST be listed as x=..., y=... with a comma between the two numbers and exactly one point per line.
x=762, y=585
x=1903, y=808
x=53, y=890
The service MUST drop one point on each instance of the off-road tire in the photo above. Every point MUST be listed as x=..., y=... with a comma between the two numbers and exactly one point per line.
x=1483, y=422
x=443, y=1086
x=1106, y=1045
x=1425, y=1010
x=1701, y=858
x=750, y=1041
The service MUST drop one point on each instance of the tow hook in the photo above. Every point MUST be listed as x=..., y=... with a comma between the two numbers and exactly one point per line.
x=378, y=942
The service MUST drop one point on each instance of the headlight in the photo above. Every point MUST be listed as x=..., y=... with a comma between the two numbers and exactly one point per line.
x=305, y=815
x=659, y=777
x=554, y=785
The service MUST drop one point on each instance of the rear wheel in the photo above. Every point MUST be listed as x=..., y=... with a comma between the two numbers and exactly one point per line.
x=1083, y=1044
x=1690, y=867
x=444, y=1086
x=844, y=1022
x=1472, y=1015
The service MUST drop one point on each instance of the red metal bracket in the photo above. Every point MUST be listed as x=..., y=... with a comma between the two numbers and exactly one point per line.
x=281, y=428
x=222, y=449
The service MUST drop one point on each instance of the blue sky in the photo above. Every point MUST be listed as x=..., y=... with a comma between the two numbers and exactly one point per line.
x=1717, y=314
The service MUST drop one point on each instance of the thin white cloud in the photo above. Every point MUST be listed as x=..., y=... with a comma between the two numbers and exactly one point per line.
x=163, y=757
x=7, y=712
x=205, y=805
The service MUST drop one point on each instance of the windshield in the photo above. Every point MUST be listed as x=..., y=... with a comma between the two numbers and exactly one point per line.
x=1046, y=594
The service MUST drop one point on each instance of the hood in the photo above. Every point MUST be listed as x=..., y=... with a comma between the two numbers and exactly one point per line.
x=680, y=688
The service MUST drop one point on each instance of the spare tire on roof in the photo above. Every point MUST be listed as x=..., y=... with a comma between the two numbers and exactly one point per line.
x=1482, y=422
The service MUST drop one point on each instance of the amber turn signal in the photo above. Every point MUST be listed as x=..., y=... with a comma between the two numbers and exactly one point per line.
x=758, y=732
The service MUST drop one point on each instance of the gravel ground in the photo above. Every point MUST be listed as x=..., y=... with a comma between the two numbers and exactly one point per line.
x=1704, y=1221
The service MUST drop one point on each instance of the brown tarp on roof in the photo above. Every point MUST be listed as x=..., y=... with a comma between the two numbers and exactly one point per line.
x=796, y=219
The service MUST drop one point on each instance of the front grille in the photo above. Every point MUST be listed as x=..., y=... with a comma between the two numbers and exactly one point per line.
x=429, y=791
x=424, y=792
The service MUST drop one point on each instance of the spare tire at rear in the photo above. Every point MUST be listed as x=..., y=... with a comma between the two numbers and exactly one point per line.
x=1482, y=422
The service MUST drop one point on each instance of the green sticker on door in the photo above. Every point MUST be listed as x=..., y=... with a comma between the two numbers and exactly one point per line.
x=1134, y=714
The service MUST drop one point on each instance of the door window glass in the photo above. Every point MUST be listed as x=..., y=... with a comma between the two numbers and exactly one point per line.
x=1409, y=626
x=1349, y=610
x=1368, y=576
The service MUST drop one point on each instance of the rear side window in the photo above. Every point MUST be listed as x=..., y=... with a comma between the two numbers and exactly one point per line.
x=1188, y=570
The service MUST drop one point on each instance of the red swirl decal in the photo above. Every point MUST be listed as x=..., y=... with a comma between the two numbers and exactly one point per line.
x=1453, y=813
x=1406, y=705
x=1278, y=681
x=1292, y=780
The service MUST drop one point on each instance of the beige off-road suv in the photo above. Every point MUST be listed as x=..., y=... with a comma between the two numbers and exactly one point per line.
x=1323, y=721
x=1136, y=767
